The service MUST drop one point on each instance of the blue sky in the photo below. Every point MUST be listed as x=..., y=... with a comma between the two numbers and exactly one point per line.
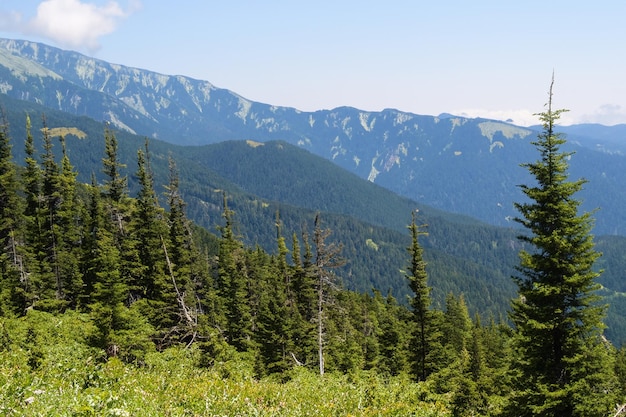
x=479, y=58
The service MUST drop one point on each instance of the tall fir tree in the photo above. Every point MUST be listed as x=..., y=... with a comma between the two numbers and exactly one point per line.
x=104, y=291
x=423, y=320
x=118, y=211
x=48, y=283
x=233, y=286
x=148, y=227
x=395, y=336
x=115, y=192
x=32, y=178
x=115, y=183
x=71, y=213
x=94, y=222
x=456, y=326
x=303, y=284
x=565, y=366
x=278, y=313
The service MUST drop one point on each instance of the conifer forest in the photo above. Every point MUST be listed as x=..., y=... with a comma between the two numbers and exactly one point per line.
x=119, y=305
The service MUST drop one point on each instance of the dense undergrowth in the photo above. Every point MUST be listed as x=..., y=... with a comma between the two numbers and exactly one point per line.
x=47, y=368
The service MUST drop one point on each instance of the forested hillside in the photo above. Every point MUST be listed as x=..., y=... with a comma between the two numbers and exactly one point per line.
x=142, y=279
x=368, y=220
x=136, y=292
x=464, y=256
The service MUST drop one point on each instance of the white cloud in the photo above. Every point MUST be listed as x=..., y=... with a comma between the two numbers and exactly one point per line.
x=607, y=114
x=521, y=117
x=72, y=23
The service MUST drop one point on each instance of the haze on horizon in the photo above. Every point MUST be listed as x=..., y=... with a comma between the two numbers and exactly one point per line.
x=487, y=58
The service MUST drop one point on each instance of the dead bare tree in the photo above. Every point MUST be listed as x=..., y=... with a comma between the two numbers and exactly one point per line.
x=327, y=257
x=190, y=316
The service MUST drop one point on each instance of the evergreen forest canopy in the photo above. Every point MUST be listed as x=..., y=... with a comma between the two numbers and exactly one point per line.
x=464, y=256
x=98, y=287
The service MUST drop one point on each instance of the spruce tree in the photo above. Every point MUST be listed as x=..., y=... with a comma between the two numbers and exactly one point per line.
x=49, y=288
x=148, y=228
x=564, y=364
x=31, y=179
x=423, y=330
x=71, y=214
x=233, y=286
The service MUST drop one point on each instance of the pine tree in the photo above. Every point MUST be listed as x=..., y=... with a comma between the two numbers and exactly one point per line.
x=233, y=286
x=70, y=222
x=564, y=365
x=48, y=282
x=153, y=286
x=31, y=178
x=424, y=330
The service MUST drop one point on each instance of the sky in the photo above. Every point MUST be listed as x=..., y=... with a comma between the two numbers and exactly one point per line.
x=480, y=58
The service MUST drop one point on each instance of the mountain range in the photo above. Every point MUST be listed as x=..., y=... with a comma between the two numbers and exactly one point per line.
x=467, y=166
x=371, y=170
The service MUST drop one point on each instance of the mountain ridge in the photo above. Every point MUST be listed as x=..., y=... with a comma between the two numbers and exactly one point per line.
x=461, y=165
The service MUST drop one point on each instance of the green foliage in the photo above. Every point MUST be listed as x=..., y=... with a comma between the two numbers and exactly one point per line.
x=12, y=297
x=164, y=317
x=463, y=255
x=558, y=315
x=71, y=381
x=424, y=332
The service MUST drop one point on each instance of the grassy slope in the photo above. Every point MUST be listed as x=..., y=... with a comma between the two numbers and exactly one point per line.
x=47, y=368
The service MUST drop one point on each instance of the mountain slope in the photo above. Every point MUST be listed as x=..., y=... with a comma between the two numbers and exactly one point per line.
x=367, y=219
x=463, y=255
x=468, y=166
x=609, y=139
